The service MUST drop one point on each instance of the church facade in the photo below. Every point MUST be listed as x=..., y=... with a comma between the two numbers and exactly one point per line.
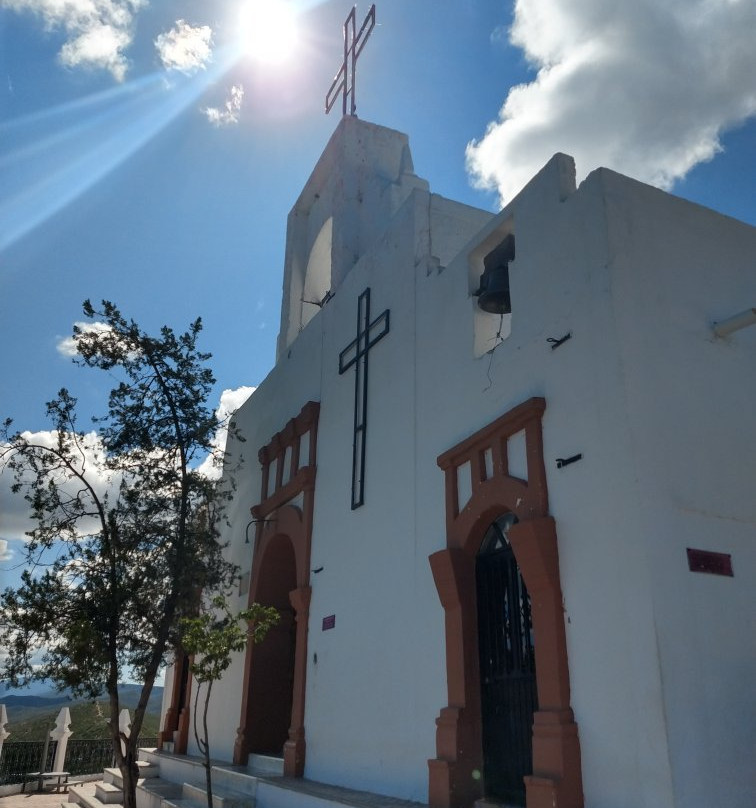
x=500, y=485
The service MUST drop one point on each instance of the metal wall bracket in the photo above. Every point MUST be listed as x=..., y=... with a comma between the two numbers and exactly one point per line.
x=565, y=461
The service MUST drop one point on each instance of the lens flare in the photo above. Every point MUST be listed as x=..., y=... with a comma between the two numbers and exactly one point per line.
x=268, y=30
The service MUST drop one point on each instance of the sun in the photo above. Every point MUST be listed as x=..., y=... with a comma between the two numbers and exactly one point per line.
x=268, y=30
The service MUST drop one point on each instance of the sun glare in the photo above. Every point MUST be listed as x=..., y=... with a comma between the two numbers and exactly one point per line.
x=268, y=30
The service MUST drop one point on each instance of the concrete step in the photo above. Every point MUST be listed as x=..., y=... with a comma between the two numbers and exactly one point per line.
x=156, y=785
x=83, y=798
x=239, y=787
x=149, y=755
x=146, y=770
x=108, y=793
x=265, y=765
x=199, y=800
x=234, y=778
x=177, y=768
x=222, y=797
x=289, y=792
x=152, y=791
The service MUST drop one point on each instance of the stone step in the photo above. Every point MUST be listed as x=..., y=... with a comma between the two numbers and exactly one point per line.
x=152, y=791
x=299, y=793
x=177, y=768
x=199, y=800
x=239, y=787
x=234, y=778
x=265, y=765
x=83, y=798
x=146, y=770
x=108, y=793
x=222, y=797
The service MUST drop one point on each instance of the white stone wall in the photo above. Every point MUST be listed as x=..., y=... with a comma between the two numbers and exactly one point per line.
x=661, y=659
x=690, y=398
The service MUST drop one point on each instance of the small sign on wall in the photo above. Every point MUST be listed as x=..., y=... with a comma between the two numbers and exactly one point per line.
x=708, y=561
x=329, y=622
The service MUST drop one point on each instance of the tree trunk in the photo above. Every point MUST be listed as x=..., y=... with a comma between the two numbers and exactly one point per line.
x=130, y=774
x=206, y=747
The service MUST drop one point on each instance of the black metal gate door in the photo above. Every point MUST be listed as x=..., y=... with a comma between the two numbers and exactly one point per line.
x=507, y=667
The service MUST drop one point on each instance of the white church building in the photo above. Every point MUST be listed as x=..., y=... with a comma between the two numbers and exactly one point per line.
x=514, y=561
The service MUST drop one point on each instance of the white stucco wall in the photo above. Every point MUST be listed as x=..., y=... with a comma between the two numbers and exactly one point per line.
x=679, y=267
x=560, y=284
x=661, y=659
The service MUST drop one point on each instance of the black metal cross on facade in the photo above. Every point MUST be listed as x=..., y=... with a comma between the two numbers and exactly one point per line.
x=356, y=353
x=345, y=78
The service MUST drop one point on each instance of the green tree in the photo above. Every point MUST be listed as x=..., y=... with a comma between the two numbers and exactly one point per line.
x=126, y=526
x=211, y=638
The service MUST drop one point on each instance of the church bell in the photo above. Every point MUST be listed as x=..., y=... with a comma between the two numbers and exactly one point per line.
x=493, y=292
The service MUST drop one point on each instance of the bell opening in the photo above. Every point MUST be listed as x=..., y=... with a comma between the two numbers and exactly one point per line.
x=493, y=292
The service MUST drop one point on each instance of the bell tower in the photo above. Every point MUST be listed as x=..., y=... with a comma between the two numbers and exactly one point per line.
x=362, y=178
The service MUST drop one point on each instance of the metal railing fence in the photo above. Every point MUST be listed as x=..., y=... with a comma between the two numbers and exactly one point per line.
x=89, y=755
x=83, y=756
x=20, y=757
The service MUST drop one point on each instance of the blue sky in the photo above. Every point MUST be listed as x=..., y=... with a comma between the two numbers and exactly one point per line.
x=147, y=156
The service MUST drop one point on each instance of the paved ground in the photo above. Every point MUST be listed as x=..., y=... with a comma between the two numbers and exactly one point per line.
x=36, y=799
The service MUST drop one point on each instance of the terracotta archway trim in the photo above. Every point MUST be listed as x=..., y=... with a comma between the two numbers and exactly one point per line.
x=278, y=519
x=294, y=748
x=171, y=717
x=527, y=498
x=303, y=480
x=177, y=717
x=454, y=775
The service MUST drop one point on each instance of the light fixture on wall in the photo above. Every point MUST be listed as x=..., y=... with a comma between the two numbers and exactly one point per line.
x=724, y=328
x=493, y=291
x=253, y=522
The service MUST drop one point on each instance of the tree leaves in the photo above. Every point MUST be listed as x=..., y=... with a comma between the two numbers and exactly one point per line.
x=126, y=528
x=210, y=639
x=213, y=636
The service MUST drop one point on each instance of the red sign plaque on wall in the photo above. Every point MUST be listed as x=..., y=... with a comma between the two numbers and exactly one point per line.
x=329, y=622
x=707, y=561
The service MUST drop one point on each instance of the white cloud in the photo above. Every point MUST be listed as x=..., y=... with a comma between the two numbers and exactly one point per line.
x=5, y=552
x=185, y=47
x=229, y=113
x=67, y=345
x=100, y=45
x=99, y=31
x=646, y=88
x=230, y=401
x=14, y=509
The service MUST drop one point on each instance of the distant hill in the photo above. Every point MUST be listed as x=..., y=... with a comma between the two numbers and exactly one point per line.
x=30, y=715
x=33, y=701
x=34, y=689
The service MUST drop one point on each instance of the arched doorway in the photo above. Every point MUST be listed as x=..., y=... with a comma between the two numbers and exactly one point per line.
x=508, y=692
x=271, y=684
x=479, y=489
x=280, y=577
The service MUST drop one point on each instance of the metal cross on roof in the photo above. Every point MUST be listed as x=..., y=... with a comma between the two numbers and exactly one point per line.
x=344, y=80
